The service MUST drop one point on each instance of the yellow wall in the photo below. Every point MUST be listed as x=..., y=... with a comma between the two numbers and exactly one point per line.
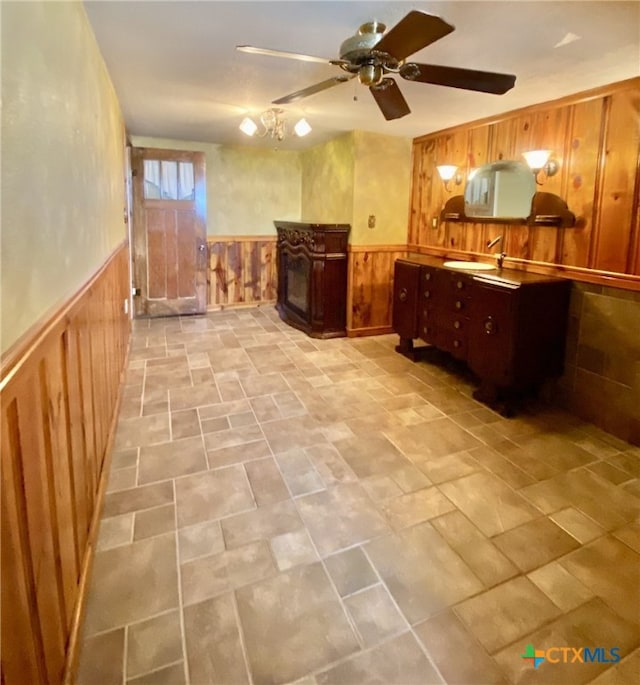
x=62, y=160
x=381, y=188
x=328, y=182
x=357, y=175
x=247, y=188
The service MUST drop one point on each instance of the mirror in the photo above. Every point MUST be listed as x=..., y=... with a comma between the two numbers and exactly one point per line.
x=503, y=189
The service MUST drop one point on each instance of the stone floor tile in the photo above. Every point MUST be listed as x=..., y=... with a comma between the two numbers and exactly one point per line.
x=169, y=675
x=422, y=572
x=340, y=517
x=415, y=507
x=293, y=624
x=292, y=549
x=491, y=504
x=135, y=499
x=577, y=524
x=507, y=612
x=563, y=589
x=213, y=642
x=375, y=615
x=592, y=624
x=261, y=523
x=190, y=397
x=609, y=568
x=216, y=574
x=624, y=673
x=185, y=424
x=266, y=481
x=350, y=571
x=151, y=522
x=102, y=659
x=171, y=459
x=238, y=454
x=122, y=479
x=114, y=531
x=212, y=495
x=145, y=430
x=457, y=653
x=535, y=543
x=371, y=456
x=200, y=540
x=399, y=660
x=135, y=581
x=154, y=643
x=630, y=535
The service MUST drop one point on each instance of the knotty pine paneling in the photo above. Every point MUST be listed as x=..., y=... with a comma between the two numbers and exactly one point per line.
x=595, y=136
x=59, y=388
x=370, y=288
x=242, y=270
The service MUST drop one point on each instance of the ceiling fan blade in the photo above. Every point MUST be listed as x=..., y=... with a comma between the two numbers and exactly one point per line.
x=454, y=77
x=414, y=32
x=281, y=53
x=390, y=100
x=311, y=90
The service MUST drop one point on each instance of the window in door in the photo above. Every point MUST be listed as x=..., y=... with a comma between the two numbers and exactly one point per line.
x=168, y=180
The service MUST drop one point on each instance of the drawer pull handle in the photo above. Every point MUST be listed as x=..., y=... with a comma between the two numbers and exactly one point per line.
x=427, y=277
x=459, y=304
x=489, y=326
x=427, y=294
x=456, y=343
x=459, y=285
x=403, y=295
x=456, y=324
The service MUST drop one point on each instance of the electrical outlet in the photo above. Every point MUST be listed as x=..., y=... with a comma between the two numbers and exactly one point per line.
x=372, y=221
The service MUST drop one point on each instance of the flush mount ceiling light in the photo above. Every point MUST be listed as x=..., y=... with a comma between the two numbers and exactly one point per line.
x=274, y=125
x=538, y=160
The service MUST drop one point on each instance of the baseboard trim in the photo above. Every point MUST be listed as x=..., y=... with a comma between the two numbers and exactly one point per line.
x=239, y=305
x=374, y=330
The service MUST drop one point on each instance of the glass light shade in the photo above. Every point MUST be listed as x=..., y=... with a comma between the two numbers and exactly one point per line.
x=447, y=171
x=248, y=126
x=536, y=159
x=302, y=128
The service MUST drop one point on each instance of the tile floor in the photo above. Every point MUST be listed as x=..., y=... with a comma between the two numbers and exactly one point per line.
x=282, y=509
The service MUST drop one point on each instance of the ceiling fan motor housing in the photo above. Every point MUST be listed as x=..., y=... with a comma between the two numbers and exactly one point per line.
x=360, y=57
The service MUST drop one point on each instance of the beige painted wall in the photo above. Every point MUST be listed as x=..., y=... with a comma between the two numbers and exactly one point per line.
x=354, y=176
x=328, y=181
x=62, y=160
x=247, y=188
x=382, y=183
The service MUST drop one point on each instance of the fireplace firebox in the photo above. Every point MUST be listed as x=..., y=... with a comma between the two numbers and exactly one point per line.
x=312, y=277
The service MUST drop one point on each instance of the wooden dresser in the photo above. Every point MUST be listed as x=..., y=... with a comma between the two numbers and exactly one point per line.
x=508, y=326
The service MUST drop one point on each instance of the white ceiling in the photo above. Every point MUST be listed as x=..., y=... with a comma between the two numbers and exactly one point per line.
x=177, y=73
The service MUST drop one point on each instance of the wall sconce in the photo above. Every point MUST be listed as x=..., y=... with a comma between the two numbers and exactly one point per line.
x=538, y=160
x=447, y=173
x=274, y=125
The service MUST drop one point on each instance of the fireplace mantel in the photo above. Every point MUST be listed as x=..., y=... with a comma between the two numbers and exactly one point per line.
x=312, y=277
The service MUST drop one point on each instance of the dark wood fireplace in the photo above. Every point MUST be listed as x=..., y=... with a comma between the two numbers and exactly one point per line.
x=312, y=277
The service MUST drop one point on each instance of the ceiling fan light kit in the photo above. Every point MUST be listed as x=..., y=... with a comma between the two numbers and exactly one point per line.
x=372, y=54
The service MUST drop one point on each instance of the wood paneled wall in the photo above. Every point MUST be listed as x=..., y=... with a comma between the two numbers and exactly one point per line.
x=595, y=136
x=59, y=387
x=242, y=270
x=370, y=288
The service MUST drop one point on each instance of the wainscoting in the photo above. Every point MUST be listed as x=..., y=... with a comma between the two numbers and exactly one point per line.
x=242, y=270
x=370, y=288
x=60, y=388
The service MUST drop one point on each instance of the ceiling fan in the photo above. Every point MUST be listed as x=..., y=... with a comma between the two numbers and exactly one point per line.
x=372, y=53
